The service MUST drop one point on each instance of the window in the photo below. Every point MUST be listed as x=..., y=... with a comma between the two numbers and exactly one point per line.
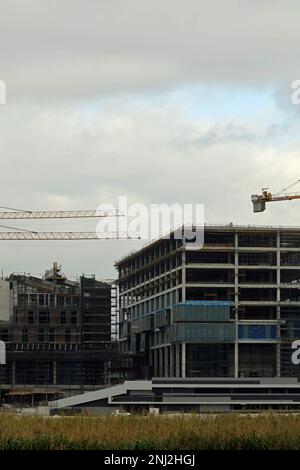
x=25, y=335
x=62, y=317
x=30, y=317
x=73, y=317
x=44, y=317
x=41, y=335
x=4, y=334
x=22, y=299
x=52, y=335
x=33, y=299
x=60, y=301
x=68, y=335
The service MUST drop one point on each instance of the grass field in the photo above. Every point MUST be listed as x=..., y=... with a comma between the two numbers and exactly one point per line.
x=269, y=431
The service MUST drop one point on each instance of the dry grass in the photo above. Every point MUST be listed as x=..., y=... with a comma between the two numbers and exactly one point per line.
x=270, y=431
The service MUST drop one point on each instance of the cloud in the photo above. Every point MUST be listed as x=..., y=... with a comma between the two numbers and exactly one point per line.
x=78, y=158
x=89, y=115
x=72, y=49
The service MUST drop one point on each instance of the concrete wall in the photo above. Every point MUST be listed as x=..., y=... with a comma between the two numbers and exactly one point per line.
x=5, y=301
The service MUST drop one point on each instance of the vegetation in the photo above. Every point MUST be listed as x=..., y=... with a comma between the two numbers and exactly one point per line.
x=264, y=431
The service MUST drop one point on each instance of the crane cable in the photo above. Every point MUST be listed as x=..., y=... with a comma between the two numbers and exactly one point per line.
x=14, y=209
x=18, y=229
x=15, y=228
x=285, y=189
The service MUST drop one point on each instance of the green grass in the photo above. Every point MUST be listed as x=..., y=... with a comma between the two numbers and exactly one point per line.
x=226, y=432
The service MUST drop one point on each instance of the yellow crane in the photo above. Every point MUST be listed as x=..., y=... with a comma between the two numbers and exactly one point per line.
x=259, y=200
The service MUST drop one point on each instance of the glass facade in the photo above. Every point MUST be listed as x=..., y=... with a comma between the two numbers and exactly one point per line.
x=201, y=332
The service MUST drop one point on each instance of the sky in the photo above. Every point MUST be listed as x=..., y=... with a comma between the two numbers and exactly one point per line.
x=162, y=102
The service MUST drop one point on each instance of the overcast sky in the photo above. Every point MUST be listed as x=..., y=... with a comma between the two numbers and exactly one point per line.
x=162, y=101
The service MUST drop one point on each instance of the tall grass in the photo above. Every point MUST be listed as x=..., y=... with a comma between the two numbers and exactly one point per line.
x=270, y=431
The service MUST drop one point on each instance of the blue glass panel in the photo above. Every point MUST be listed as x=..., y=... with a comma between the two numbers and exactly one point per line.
x=241, y=331
x=256, y=332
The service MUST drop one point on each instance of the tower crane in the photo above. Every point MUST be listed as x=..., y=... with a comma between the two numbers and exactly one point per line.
x=73, y=214
x=259, y=200
x=24, y=234
x=42, y=236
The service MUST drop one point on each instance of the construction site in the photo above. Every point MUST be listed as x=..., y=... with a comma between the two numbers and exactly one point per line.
x=182, y=328
x=60, y=335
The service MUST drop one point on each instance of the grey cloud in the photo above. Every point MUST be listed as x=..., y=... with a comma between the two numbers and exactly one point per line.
x=85, y=49
x=58, y=157
x=79, y=159
x=60, y=149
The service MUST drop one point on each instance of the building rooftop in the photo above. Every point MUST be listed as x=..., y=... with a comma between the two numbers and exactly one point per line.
x=215, y=227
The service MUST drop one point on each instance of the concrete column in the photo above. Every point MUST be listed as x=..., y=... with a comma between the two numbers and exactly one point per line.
x=183, y=359
x=54, y=373
x=155, y=364
x=177, y=353
x=183, y=275
x=166, y=352
x=151, y=361
x=13, y=372
x=278, y=358
x=236, y=359
x=236, y=305
x=106, y=375
x=171, y=362
x=161, y=363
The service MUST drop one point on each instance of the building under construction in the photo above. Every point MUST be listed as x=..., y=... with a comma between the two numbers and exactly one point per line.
x=60, y=336
x=228, y=309
x=196, y=320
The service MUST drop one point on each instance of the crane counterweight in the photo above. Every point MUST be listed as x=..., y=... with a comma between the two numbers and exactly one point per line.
x=259, y=200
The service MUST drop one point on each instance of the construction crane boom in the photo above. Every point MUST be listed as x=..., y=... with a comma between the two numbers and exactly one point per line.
x=27, y=235
x=259, y=200
x=24, y=234
x=73, y=214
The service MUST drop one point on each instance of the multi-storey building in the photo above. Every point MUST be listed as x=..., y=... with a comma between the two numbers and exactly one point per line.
x=57, y=334
x=228, y=309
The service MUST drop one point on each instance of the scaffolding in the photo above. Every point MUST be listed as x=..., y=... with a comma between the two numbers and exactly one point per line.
x=62, y=335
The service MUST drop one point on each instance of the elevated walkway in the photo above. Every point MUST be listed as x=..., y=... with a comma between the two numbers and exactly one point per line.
x=102, y=394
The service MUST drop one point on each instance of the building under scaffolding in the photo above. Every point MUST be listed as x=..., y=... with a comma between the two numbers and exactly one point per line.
x=228, y=309
x=60, y=336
